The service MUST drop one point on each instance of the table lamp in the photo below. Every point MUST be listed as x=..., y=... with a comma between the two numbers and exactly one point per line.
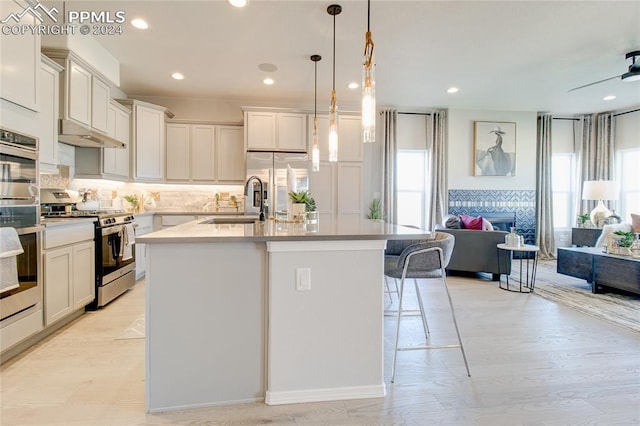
x=599, y=190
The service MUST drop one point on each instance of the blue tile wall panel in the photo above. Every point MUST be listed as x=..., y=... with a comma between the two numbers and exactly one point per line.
x=520, y=202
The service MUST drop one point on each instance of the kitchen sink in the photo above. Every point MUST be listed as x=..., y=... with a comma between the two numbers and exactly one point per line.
x=229, y=220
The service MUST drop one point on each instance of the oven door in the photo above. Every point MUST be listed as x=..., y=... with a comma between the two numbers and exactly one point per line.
x=29, y=291
x=117, y=255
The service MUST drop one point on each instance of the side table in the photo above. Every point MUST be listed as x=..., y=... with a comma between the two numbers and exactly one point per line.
x=585, y=236
x=530, y=271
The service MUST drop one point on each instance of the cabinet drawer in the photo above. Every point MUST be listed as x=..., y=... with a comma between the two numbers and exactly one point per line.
x=63, y=235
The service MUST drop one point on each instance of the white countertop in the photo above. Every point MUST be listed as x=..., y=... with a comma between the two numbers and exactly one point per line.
x=336, y=228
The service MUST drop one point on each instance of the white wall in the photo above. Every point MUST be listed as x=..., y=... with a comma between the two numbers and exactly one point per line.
x=460, y=150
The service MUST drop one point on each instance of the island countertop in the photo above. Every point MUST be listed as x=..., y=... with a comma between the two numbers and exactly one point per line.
x=335, y=228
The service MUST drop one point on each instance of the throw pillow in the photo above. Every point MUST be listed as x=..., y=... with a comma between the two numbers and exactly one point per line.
x=486, y=225
x=452, y=222
x=470, y=222
x=635, y=222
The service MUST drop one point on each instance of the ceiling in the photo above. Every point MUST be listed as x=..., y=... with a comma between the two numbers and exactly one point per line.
x=502, y=55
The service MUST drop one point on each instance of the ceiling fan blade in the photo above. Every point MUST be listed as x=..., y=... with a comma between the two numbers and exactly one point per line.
x=595, y=82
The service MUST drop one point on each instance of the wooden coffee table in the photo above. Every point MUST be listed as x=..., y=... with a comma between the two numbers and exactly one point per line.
x=599, y=268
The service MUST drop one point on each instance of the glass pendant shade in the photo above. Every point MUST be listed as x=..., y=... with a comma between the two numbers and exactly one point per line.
x=333, y=128
x=315, y=150
x=368, y=105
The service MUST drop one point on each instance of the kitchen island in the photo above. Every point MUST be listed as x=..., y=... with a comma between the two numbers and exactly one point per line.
x=280, y=312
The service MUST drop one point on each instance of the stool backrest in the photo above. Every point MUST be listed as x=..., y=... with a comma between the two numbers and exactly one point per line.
x=428, y=260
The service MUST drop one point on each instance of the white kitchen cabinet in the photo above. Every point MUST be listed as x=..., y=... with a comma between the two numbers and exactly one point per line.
x=145, y=226
x=350, y=146
x=69, y=270
x=49, y=98
x=100, y=96
x=107, y=163
x=147, y=150
x=230, y=158
x=276, y=131
x=20, y=59
x=116, y=160
x=338, y=188
x=204, y=153
x=78, y=93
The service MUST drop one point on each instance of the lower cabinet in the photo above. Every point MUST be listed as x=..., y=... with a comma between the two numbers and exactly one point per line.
x=69, y=270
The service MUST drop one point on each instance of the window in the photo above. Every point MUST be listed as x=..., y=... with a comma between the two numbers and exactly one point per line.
x=410, y=172
x=562, y=172
x=628, y=163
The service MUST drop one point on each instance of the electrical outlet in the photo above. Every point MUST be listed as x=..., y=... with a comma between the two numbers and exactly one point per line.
x=303, y=279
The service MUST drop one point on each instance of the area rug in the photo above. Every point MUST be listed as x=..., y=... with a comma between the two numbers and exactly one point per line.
x=618, y=308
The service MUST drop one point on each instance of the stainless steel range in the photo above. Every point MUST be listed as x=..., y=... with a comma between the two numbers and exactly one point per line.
x=114, y=244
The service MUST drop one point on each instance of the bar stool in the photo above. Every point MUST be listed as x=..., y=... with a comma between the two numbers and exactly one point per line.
x=423, y=259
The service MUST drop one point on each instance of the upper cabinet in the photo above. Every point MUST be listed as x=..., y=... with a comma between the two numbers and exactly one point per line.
x=275, y=131
x=204, y=153
x=147, y=143
x=20, y=59
x=85, y=94
x=49, y=95
x=350, y=146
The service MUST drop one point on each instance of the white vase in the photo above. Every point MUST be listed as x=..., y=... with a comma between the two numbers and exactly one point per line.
x=297, y=211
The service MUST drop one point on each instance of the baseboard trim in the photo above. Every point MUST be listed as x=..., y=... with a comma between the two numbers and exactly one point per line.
x=319, y=395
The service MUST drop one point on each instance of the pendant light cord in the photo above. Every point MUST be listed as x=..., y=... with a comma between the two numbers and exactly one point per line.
x=368, y=14
x=334, y=52
x=315, y=91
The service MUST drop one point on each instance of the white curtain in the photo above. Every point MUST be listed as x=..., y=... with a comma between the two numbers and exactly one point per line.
x=389, y=154
x=595, y=154
x=436, y=150
x=544, y=192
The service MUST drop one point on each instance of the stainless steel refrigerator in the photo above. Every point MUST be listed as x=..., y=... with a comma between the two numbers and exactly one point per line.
x=273, y=169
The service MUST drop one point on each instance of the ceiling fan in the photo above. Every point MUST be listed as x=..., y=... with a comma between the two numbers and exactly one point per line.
x=632, y=75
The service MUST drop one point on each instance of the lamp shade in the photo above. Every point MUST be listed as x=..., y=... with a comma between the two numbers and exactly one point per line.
x=599, y=190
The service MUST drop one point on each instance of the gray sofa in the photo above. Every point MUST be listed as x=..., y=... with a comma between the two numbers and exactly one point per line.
x=476, y=251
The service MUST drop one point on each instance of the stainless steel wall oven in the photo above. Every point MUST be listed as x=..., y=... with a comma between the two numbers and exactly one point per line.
x=19, y=209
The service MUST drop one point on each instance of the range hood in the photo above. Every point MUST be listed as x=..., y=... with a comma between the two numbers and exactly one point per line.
x=76, y=134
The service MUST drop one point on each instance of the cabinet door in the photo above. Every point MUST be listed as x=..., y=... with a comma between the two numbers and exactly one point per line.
x=109, y=154
x=322, y=185
x=99, y=104
x=203, y=152
x=123, y=126
x=20, y=59
x=79, y=87
x=84, y=289
x=230, y=156
x=349, y=190
x=178, y=158
x=48, y=118
x=149, y=143
x=261, y=130
x=58, y=275
x=350, y=146
x=292, y=132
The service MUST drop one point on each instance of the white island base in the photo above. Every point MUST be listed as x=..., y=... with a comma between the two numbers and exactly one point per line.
x=245, y=313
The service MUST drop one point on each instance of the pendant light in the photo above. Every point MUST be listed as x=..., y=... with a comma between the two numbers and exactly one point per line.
x=368, y=86
x=315, y=151
x=333, y=10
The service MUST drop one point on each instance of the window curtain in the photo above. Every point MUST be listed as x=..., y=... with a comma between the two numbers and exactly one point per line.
x=389, y=154
x=595, y=154
x=437, y=180
x=544, y=192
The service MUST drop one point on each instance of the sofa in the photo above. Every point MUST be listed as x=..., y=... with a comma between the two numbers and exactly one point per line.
x=476, y=250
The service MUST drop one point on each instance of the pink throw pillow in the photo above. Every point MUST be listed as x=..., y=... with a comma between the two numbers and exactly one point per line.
x=635, y=222
x=470, y=222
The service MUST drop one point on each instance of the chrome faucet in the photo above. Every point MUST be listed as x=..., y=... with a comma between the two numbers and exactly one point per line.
x=246, y=192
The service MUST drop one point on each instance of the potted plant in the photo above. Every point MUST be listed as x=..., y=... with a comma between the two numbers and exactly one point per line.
x=375, y=210
x=582, y=219
x=624, y=241
x=302, y=202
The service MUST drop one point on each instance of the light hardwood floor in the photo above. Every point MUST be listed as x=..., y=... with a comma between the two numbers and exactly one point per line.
x=532, y=362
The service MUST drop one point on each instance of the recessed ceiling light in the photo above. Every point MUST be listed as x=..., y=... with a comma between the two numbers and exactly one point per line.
x=608, y=98
x=238, y=3
x=140, y=23
x=268, y=81
x=353, y=85
x=452, y=90
x=177, y=76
